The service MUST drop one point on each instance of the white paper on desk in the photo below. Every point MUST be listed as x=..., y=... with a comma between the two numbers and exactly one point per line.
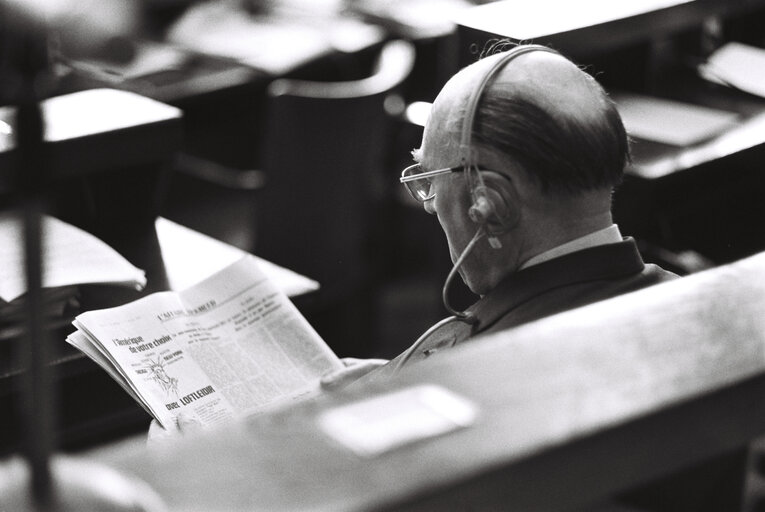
x=671, y=122
x=190, y=256
x=739, y=65
x=90, y=112
x=71, y=256
x=379, y=424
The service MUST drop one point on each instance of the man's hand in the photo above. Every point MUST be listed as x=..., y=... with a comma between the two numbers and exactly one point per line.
x=183, y=424
x=354, y=369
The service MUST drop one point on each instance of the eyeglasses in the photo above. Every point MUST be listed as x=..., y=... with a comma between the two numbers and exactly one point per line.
x=418, y=182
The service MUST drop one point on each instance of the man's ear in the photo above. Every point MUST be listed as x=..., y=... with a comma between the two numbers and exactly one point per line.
x=501, y=210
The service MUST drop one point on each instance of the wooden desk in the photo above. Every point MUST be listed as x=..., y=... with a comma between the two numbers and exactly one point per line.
x=704, y=196
x=216, y=61
x=571, y=409
x=699, y=197
x=95, y=131
x=654, y=161
x=219, y=97
x=106, y=166
x=589, y=29
x=106, y=163
x=277, y=39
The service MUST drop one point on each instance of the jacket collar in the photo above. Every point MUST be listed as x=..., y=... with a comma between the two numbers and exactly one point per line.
x=600, y=262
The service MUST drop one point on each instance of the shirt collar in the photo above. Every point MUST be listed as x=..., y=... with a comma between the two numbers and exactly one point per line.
x=609, y=235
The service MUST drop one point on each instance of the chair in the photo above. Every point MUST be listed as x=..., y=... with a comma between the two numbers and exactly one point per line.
x=324, y=155
x=213, y=198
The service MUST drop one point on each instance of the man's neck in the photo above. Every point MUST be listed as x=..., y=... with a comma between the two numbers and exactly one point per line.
x=550, y=231
x=607, y=235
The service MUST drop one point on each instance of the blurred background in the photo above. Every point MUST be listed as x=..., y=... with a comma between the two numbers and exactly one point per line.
x=298, y=116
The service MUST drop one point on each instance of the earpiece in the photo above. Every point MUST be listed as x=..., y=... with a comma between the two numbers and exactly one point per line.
x=489, y=207
x=491, y=212
x=481, y=209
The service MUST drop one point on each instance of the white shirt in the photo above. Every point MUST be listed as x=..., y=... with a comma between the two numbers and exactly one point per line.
x=609, y=235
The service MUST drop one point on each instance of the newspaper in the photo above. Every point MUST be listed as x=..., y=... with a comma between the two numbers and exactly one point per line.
x=227, y=347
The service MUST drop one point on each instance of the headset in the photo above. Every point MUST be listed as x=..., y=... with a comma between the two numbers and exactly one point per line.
x=488, y=209
x=488, y=204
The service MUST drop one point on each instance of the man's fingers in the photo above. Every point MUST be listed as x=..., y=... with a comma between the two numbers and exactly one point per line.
x=158, y=435
x=355, y=369
x=182, y=424
x=354, y=362
x=187, y=423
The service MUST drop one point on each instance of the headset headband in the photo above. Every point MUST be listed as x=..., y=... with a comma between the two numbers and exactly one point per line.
x=472, y=104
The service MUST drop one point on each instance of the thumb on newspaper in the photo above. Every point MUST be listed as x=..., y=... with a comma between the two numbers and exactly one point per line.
x=186, y=423
x=183, y=423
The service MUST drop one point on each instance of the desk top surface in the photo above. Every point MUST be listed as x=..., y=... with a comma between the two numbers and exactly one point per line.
x=89, y=113
x=277, y=41
x=217, y=46
x=742, y=129
x=532, y=21
x=592, y=28
x=97, y=130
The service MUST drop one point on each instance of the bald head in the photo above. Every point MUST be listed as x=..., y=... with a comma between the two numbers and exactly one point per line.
x=550, y=147
x=548, y=116
x=553, y=83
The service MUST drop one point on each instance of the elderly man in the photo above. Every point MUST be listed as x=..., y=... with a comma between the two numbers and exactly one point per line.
x=518, y=162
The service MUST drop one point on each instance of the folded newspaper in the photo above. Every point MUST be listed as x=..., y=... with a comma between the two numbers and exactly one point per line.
x=227, y=347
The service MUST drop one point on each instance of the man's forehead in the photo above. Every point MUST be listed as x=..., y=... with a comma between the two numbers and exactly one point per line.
x=440, y=142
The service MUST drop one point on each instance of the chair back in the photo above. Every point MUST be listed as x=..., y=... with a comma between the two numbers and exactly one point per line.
x=324, y=152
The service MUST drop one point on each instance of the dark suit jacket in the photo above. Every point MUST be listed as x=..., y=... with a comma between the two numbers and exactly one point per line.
x=569, y=281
